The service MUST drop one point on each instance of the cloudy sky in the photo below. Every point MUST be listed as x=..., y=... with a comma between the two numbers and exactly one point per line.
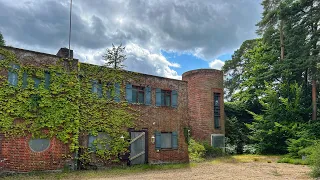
x=162, y=37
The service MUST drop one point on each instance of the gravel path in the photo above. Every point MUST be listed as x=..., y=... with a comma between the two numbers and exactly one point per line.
x=223, y=170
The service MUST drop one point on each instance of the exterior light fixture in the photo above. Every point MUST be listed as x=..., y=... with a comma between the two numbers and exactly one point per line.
x=152, y=139
x=122, y=137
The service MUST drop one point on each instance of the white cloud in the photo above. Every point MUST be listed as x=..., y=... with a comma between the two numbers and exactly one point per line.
x=216, y=64
x=205, y=28
x=144, y=61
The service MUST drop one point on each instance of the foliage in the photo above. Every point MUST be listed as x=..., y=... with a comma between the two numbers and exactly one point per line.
x=279, y=120
x=115, y=57
x=293, y=161
x=236, y=130
x=196, y=151
x=103, y=114
x=250, y=149
x=2, y=42
x=272, y=77
x=314, y=159
x=67, y=109
x=55, y=111
x=211, y=152
x=235, y=68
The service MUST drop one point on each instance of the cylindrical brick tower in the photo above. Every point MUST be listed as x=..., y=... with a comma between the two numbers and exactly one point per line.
x=205, y=102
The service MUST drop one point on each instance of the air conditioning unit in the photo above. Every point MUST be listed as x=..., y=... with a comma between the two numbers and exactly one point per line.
x=218, y=141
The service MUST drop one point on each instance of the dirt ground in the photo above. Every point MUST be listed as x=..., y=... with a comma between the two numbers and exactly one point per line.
x=233, y=167
x=225, y=170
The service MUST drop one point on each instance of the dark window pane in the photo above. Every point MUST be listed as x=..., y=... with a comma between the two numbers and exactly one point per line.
x=168, y=100
x=134, y=95
x=162, y=99
x=216, y=110
x=141, y=97
x=217, y=122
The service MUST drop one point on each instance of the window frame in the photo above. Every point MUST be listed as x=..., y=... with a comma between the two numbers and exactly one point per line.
x=170, y=148
x=137, y=90
x=165, y=93
x=97, y=146
x=34, y=149
x=216, y=109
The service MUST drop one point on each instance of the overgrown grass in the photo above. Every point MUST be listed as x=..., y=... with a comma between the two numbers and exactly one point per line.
x=246, y=159
x=293, y=161
x=118, y=171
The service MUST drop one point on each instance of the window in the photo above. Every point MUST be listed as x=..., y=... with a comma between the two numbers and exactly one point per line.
x=39, y=145
x=37, y=82
x=137, y=94
x=99, y=142
x=166, y=98
x=216, y=110
x=47, y=78
x=97, y=88
x=166, y=140
x=13, y=75
x=113, y=91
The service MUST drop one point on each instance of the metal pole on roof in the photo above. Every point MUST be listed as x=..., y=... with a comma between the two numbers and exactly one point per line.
x=70, y=29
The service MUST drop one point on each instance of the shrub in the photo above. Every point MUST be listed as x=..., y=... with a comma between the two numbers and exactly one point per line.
x=196, y=151
x=298, y=145
x=231, y=149
x=211, y=152
x=293, y=161
x=314, y=159
x=250, y=149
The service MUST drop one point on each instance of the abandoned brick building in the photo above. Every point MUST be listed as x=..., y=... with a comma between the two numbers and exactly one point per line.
x=171, y=110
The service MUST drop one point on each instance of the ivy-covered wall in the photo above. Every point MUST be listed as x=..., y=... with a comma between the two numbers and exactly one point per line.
x=70, y=102
x=31, y=108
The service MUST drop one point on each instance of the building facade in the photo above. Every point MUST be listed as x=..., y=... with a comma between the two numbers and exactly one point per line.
x=169, y=111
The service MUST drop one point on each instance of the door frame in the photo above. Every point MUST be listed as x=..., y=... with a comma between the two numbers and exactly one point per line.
x=145, y=130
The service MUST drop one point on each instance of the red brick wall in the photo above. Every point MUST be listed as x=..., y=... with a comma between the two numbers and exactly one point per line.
x=17, y=156
x=164, y=119
x=202, y=84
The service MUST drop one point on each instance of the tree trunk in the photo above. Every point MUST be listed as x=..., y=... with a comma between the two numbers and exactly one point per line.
x=281, y=40
x=314, y=100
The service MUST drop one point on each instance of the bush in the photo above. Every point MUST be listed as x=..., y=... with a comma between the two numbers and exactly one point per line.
x=231, y=149
x=314, y=159
x=196, y=151
x=293, y=161
x=250, y=149
x=211, y=152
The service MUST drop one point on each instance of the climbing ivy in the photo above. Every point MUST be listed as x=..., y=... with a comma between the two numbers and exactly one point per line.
x=67, y=109
x=44, y=113
x=100, y=113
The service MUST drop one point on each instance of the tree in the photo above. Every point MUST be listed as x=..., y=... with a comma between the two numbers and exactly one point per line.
x=235, y=67
x=115, y=57
x=2, y=42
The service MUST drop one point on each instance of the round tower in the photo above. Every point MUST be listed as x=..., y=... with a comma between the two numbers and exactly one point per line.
x=205, y=103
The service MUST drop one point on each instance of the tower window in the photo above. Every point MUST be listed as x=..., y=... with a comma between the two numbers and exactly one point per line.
x=216, y=110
